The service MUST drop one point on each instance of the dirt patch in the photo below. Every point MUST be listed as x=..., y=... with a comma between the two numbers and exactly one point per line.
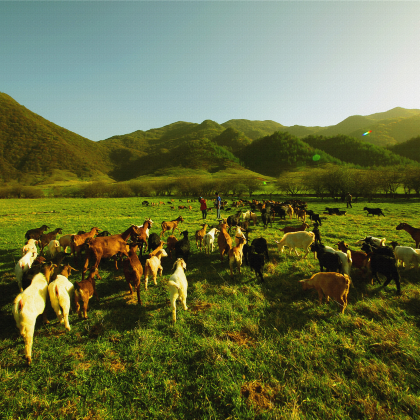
x=258, y=396
x=241, y=338
x=200, y=307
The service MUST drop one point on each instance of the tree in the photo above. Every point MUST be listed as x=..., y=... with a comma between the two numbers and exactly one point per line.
x=290, y=183
x=253, y=184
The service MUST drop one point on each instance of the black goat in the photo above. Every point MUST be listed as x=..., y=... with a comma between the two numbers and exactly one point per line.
x=153, y=242
x=233, y=220
x=374, y=211
x=317, y=233
x=332, y=210
x=256, y=262
x=182, y=247
x=314, y=216
x=386, y=266
x=331, y=261
x=266, y=217
x=380, y=250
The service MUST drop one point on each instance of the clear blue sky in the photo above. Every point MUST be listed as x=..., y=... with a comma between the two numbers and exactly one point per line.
x=106, y=68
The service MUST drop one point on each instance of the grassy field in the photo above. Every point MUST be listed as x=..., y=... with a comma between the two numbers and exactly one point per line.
x=242, y=350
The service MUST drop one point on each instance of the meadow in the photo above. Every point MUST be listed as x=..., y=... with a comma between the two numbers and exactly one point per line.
x=243, y=350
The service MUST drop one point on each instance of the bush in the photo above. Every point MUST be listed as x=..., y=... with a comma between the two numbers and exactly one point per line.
x=31, y=192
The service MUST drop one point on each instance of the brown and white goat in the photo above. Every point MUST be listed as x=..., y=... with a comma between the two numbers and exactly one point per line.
x=46, y=238
x=235, y=255
x=153, y=266
x=224, y=241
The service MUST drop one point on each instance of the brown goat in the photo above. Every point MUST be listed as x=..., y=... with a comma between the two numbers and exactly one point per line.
x=414, y=232
x=107, y=247
x=224, y=241
x=170, y=244
x=199, y=235
x=235, y=255
x=156, y=250
x=77, y=242
x=301, y=228
x=359, y=258
x=133, y=270
x=334, y=285
x=46, y=238
x=83, y=291
x=140, y=235
x=300, y=214
x=36, y=233
x=171, y=225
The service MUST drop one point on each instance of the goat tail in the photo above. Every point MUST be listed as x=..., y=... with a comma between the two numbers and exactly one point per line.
x=56, y=291
x=20, y=305
x=172, y=283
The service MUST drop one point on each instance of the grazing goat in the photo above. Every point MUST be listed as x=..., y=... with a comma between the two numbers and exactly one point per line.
x=36, y=233
x=414, y=232
x=29, y=304
x=295, y=240
x=23, y=265
x=332, y=210
x=301, y=228
x=170, y=244
x=83, y=291
x=182, y=247
x=199, y=235
x=153, y=266
x=330, y=260
x=209, y=240
x=407, y=255
x=314, y=216
x=61, y=292
x=224, y=241
x=235, y=255
x=46, y=238
x=133, y=270
x=386, y=266
x=177, y=286
x=330, y=285
x=107, y=247
x=166, y=226
x=30, y=246
x=373, y=211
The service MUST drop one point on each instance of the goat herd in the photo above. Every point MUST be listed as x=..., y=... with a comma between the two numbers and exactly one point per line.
x=44, y=276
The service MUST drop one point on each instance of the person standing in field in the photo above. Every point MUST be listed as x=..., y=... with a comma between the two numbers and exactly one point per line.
x=203, y=207
x=348, y=200
x=218, y=204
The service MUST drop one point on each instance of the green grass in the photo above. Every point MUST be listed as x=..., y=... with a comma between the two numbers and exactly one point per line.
x=242, y=350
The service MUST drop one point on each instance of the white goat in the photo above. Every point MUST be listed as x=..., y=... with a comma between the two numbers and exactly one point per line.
x=407, y=256
x=344, y=257
x=239, y=234
x=53, y=247
x=249, y=215
x=61, y=292
x=209, y=240
x=376, y=241
x=153, y=266
x=296, y=240
x=28, y=305
x=30, y=246
x=23, y=265
x=177, y=286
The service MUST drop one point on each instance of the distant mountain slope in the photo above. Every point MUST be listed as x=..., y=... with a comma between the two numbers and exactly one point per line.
x=356, y=151
x=31, y=144
x=254, y=129
x=397, y=112
x=409, y=149
x=279, y=152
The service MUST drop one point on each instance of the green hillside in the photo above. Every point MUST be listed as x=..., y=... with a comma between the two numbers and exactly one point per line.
x=30, y=144
x=254, y=129
x=279, y=152
x=232, y=140
x=409, y=149
x=356, y=151
x=397, y=112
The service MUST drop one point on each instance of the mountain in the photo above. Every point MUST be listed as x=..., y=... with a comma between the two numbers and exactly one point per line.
x=357, y=152
x=32, y=145
x=34, y=150
x=409, y=149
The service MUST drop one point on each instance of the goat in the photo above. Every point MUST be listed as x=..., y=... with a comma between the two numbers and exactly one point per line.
x=107, y=247
x=224, y=241
x=266, y=218
x=199, y=235
x=61, y=292
x=249, y=215
x=133, y=270
x=255, y=260
x=30, y=246
x=405, y=254
x=83, y=291
x=209, y=240
x=153, y=242
x=376, y=242
x=166, y=226
x=314, y=216
x=332, y=285
x=36, y=233
x=301, y=228
x=170, y=244
x=234, y=220
x=77, y=241
x=414, y=232
x=386, y=266
x=23, y=265
x=359, y=258
x=156, y=250
x=330, y=260
x=239, y=234
x=53, y=247
x=141, y=235
x=295, y=240
x=317, y=233
x=288, y=209
x=301, y=214
x=235, y=255
x=182, y=247
x=153, y=266
x=29, y=304
x=332, y=210
x=46, y=238
x=177, y=286
x=261, y=247
x=373, y=211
